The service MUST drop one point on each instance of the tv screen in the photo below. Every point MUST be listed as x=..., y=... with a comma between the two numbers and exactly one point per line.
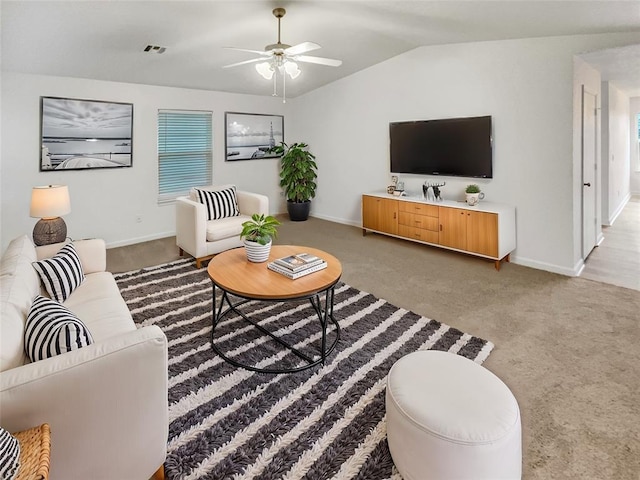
x=458, y=147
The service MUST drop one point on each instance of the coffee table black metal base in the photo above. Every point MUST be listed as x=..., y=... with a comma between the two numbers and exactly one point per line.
x=324, y=312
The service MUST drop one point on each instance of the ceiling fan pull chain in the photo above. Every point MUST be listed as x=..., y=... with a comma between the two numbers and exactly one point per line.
x=275, y=85
x=284, y=88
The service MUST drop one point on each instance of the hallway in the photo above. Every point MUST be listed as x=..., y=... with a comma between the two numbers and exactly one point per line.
x=617, y=260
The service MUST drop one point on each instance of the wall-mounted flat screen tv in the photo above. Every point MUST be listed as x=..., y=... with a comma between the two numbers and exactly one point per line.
x=457, y=147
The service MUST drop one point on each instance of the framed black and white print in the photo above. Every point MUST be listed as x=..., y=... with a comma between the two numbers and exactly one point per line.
x=251, y=136
x=85, y=134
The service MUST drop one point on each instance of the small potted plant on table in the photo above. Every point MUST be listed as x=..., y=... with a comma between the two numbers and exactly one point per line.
x=258, y=234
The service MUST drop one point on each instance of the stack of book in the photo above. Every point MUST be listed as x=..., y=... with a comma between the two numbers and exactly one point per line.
x=296, y=266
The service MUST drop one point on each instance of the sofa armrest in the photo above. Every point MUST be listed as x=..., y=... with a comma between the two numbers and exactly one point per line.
x=250, y=203
x=191, y=226
x=92, y=253
x=106, y=404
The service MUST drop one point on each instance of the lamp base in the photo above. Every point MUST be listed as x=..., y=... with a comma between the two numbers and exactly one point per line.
x=49, y=230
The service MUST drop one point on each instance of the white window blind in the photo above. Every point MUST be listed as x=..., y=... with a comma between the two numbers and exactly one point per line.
x=184, y=152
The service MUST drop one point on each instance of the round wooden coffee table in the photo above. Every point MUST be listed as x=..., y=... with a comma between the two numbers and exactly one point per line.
x=233, y=274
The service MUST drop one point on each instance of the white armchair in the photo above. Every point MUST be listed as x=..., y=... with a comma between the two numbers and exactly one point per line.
x=202, y=238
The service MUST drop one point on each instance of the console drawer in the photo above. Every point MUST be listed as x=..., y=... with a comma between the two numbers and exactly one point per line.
x=419, y=208
x=419, y=221
x=418, y=234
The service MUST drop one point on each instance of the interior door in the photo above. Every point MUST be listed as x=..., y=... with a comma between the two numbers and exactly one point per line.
x=589, y=149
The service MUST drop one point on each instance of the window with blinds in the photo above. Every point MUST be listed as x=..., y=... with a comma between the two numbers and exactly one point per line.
x=184, y=152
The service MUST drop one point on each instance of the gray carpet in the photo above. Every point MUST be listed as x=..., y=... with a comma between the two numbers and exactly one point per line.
x=325, y=422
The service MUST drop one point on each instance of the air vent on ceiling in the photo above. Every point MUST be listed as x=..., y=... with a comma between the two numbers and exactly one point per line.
x=154, y=49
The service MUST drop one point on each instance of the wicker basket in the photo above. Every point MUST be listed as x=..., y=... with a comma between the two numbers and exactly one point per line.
x=35, y=448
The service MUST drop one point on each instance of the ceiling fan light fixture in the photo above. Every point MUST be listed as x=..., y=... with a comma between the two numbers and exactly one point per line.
x=292, y=69
x=265, y=69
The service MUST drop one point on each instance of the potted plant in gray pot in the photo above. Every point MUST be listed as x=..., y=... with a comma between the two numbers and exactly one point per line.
x=298, y=178
x=258, y=234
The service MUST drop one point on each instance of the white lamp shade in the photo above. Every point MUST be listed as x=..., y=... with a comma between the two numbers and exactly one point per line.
x=292, y=69
x=265, y=69
x=50, y=201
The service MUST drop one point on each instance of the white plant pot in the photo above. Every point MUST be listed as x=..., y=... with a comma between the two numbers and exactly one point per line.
x=472, y=198
x=255, y=252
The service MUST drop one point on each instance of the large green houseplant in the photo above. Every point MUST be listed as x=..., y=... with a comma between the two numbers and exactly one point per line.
x=298, y=178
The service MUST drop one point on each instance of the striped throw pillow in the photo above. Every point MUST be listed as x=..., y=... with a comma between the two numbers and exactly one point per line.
x=219, y=203
x=62, y=273
x=9, y=455
x=52, y=329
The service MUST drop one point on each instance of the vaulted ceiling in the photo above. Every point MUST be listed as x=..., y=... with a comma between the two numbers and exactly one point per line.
x=105, y=39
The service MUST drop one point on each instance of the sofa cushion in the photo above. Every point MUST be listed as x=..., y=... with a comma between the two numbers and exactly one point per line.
x=193, y=195
x=99, y=304
x=220, y=204
x=19, y=284
x=9, y=455
x=225, y=227
x=62, y=273
x=52, y=329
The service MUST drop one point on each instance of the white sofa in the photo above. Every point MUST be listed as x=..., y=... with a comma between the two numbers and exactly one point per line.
x=106, y=403
x=202, y=238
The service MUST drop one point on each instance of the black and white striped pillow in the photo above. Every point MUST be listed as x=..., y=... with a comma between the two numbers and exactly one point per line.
x=219, y=203
x=9, y=455
x=62, y=273
x=51, y=329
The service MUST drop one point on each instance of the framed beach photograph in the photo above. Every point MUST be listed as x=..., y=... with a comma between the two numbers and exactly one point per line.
x=251, y=136
x=85, y=134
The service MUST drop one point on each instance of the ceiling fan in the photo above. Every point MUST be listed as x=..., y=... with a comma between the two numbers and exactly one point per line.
x=282, y=58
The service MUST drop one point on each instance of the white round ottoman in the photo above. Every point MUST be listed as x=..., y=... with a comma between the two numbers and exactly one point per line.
x=450, y=418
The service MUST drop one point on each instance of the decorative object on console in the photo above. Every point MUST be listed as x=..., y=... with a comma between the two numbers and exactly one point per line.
x=431, y=191
x=49, y=203
x=473, y=194
x=258, y=234
x=298, y=178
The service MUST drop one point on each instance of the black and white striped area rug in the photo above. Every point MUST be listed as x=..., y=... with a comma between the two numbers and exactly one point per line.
x=321, y=423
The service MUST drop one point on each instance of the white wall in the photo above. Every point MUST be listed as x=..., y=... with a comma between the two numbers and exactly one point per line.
x=104, y=202
x=526, y=85
x=587, y=77
x=617, y=161
x=634, y=109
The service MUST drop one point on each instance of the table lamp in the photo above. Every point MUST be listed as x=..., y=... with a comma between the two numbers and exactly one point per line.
x=49, y=203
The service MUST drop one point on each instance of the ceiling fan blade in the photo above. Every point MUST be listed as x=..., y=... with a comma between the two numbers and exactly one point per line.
x=303, y=47
x=329, y=62
x=259, y=52
x=253, y=60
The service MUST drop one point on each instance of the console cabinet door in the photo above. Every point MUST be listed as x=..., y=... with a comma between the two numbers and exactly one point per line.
x=380, y=214
x=453, y=228
x=482, y=233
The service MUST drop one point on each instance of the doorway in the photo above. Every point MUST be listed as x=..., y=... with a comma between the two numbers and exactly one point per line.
x=589, y=170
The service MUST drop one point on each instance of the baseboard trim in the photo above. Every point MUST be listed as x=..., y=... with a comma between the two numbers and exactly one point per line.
x=337, y=220
x=549, y=267
x=133, y=241
x=618, y=210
